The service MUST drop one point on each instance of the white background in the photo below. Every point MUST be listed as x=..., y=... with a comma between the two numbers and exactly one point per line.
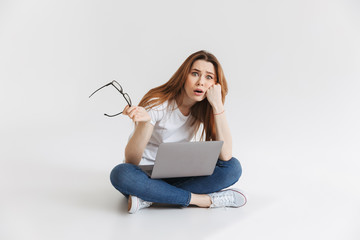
x=293, y=108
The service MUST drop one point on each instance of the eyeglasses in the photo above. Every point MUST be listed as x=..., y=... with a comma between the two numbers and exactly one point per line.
x=119, y=88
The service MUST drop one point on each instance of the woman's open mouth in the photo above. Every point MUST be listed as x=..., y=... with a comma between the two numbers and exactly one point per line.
x=198, y=92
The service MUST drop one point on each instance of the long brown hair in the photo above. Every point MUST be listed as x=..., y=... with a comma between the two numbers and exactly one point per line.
x=201, y=112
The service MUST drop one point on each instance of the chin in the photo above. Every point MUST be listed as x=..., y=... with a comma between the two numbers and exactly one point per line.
x=200, y=99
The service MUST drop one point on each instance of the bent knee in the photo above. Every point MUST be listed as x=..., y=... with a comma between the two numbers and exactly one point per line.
x=235, y=169
x=121, y=174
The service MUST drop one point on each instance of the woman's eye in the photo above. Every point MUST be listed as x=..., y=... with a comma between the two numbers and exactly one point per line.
x=209, y=77
x=195, y=74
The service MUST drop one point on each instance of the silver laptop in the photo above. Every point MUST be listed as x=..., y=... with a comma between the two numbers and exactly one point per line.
x=184, y=159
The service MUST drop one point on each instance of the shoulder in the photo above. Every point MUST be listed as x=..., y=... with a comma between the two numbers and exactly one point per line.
x=158, y=112
x=162, y=107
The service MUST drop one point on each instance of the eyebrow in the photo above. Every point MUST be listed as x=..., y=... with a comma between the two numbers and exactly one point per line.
x=200, y=71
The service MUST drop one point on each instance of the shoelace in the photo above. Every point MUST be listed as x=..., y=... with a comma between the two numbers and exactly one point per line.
x=223, y=199
x=144, y=204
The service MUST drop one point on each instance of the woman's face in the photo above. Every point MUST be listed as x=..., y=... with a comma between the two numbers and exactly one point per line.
x=200, y=78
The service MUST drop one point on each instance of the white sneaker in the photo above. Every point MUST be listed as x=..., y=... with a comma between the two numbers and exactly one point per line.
x=228, y=198
x=135, y=204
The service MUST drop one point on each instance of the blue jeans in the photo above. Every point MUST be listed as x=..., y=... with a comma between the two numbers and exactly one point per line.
x=129, y=179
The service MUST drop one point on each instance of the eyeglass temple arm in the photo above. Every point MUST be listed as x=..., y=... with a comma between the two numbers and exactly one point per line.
x=113, y=115
x=99, y=89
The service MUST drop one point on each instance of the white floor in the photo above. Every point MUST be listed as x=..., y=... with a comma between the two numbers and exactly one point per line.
x=56, y=186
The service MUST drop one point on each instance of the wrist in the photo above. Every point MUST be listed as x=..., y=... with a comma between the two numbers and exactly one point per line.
x=143, y=123
x=219, y=113
x=218, y=108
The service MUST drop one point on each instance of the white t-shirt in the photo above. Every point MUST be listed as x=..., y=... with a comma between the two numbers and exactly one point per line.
x=169, y=126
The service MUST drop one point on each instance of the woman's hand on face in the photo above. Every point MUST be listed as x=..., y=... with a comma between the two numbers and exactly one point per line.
x=213, y=95
x=137, y=114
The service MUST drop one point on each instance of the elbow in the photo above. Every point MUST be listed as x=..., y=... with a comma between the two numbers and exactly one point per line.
x=225, y=157
x=226, y=154
x=133, y=161
x=132, y=158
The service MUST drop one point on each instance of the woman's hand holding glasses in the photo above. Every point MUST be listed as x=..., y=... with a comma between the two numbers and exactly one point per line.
x=136, y=113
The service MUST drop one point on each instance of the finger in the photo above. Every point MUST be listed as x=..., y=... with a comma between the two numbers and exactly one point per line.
x=137, y=117
x=133, y=112
x=131, y=109
x=125, y=109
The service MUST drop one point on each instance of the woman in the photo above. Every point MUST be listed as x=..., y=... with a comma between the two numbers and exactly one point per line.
x=174, y=112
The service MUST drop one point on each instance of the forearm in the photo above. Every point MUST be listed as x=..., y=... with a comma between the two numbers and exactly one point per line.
x=137, y=143
x=223, y=132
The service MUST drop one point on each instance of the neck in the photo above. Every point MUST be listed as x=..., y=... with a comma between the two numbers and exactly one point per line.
x=185, y=106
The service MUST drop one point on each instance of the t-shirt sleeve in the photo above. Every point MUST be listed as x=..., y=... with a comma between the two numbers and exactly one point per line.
x=156, y=114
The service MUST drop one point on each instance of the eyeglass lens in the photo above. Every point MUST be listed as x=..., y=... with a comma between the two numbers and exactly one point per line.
x=127, y=98
x=117, y=85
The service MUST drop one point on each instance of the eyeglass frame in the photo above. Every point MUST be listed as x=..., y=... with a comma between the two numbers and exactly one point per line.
x=120, y=90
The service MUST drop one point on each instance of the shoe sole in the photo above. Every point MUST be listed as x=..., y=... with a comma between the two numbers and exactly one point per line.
x=242, y=194
x=129, y=203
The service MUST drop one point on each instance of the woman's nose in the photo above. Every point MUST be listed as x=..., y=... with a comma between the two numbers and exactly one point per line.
x=201, y=80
